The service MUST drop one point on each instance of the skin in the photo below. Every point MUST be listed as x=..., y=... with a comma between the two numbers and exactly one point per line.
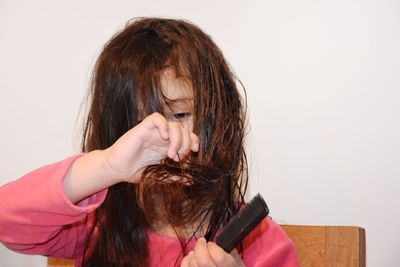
x=211, y=255
x=155, y=138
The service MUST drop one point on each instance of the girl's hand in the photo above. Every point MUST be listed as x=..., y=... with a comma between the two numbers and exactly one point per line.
x=152, y=140
x=211, y=255
x=149, y=142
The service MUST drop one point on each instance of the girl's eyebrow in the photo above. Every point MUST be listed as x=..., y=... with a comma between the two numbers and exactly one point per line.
x=177, y=100
x=179, y=103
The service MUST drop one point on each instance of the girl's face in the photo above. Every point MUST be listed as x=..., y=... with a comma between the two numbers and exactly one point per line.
x=178, y=94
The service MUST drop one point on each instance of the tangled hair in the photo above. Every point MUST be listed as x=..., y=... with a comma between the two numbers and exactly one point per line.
x=126, y=87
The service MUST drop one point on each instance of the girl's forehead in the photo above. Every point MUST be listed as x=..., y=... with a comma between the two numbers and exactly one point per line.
x=176, y=87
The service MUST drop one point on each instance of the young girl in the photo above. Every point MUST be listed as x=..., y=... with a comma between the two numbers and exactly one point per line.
x=163, y=166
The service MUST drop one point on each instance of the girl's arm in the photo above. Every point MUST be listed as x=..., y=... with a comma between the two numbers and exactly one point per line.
x=37, y=218
x=46, y=211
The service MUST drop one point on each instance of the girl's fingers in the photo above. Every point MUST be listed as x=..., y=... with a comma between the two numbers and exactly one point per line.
x=236, y=256
x=186, y=142
x=202, y=255
x=161, y=124
x=182, y=141
x=179, y=140
x=221, y=258
x=218, y=255
x=185, y=261
x=175, y=139
x=189, y=260
x=211, y=255
x=193, y=262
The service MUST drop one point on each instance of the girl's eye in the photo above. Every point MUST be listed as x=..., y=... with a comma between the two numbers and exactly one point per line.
x=178, y=116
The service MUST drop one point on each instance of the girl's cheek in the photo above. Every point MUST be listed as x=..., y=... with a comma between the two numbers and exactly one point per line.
x=189, y=123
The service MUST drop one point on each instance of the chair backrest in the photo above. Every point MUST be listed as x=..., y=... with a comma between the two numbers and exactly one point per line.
x=328, y=246
x=56, y=262
x=317, y=246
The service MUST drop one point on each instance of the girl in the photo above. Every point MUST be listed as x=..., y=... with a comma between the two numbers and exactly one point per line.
x=163, y=166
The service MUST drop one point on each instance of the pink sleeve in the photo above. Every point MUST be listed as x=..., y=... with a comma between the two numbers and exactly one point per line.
x=268, y=246
x=37, y=218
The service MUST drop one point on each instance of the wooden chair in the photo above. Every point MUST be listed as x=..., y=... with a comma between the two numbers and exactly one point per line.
x=55, y=262
x=328, y=246
x=317, y=246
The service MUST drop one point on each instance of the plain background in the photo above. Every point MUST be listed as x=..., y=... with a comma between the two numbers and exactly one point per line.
x=323, y=85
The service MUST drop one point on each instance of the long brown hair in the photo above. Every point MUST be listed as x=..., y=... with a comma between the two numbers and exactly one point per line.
x=126, y=87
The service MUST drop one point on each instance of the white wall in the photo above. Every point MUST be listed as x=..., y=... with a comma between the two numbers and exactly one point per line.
x=323, y=84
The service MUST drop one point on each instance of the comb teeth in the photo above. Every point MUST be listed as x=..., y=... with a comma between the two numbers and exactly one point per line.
x=242, y=224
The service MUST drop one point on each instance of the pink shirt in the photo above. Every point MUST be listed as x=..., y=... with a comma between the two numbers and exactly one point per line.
x=37, y=218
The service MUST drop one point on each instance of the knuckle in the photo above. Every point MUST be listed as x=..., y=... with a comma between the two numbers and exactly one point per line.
x=220, y=259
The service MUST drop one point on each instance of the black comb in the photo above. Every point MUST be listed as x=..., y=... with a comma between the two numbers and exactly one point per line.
x=241, y=225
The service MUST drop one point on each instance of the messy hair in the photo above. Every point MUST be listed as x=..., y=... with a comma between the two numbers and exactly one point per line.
x=126, y=87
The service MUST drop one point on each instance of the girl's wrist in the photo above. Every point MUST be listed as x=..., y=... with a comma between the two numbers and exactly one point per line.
x=88, y=175
x=105, y=169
